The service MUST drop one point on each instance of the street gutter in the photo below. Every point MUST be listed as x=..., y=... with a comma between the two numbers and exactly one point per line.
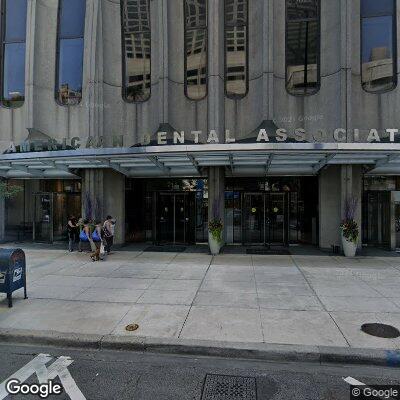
x=251, y=351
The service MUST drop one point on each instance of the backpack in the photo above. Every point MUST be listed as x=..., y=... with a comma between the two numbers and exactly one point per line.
x=83, y=237
x=106, y=233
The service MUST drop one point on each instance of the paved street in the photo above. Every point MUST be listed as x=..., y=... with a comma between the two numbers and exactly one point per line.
x=134, y=376
x=300, y=299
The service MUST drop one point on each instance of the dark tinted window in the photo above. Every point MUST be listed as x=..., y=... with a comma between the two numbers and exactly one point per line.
x=371, y=8
x=302, y=47
x=136, y=46
x=378, y=45
x=15, y=11
x=196, y=59
x=13, y=49
x=236, y=41
x=72, y=19
x=70, y=51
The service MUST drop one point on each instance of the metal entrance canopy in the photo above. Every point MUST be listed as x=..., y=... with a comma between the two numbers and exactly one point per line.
x=258, y=159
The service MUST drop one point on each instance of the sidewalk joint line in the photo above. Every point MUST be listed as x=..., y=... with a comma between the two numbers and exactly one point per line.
x=194, y=298
x=320, y=301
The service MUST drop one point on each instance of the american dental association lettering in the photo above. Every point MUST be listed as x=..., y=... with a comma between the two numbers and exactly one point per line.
x=339, y=135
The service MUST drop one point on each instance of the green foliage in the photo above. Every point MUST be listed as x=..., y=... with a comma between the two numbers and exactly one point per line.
x=350, y=230
x=8, y=191
x=216, y=227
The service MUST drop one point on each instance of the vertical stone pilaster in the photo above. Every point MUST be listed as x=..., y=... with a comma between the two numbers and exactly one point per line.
x=216, y=92
x=346, y=8
x=29, y=63
x=216, y=193
x=268, y=67
x=162, y=41
x=93, y=68
x=2, y=219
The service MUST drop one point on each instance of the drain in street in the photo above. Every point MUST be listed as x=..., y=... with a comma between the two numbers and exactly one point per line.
x=224, y=387
x=381, y=330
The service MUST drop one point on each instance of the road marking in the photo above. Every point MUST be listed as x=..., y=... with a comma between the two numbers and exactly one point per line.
x=38, y=366
x=353, y=382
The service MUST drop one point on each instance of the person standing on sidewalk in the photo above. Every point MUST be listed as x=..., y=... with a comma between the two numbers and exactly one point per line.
x=96, y=240
x=72, y=230
x=108, y=229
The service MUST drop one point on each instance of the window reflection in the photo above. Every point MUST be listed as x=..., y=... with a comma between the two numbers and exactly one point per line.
x=378, y=71
x=136, y=49
x=302, y=46
x=14, y=37
x=70, y=51
x=196, y=49
x=236, y=32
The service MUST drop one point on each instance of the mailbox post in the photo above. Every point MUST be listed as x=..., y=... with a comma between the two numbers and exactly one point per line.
x=12, y=272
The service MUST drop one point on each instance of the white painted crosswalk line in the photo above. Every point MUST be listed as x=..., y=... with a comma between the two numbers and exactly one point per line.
x=59, y=368
x=353, y=382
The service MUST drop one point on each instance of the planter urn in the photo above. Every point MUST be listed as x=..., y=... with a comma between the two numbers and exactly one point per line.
x=215, y=245
x=349, y=247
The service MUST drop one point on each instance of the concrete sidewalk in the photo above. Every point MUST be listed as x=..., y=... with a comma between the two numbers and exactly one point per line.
x=297, y=300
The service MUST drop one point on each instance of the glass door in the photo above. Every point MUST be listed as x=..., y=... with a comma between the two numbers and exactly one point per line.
x=253, y=218
x=176, y=218
x=376, y=218
x=180, y=218
x=165, y=218
x=43, y=217
x=276, y=218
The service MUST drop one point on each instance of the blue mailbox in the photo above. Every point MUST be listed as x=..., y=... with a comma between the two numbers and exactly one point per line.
x=12, y=272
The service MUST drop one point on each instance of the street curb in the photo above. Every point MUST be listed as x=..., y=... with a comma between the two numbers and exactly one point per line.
x=249, y=351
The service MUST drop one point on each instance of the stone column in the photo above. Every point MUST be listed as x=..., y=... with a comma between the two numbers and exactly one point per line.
x=114, y=202
x=216, y=194
x=336, y=185
x=351, y=177
x=105, y=190
x=329, y=207
x=92, y=193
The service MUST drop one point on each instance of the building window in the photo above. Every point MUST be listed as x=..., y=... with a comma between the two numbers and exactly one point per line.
x=302, y=47
x=236, y=48
x=136, y=50
x=70, y=39
x=196, y=58
x=378, y=45
x=13, y=52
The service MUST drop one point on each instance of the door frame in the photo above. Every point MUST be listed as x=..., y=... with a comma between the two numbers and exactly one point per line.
x=186, y=222
x=267, y=230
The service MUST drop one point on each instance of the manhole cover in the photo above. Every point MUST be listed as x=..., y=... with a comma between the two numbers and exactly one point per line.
x=132, y=327
x=223, y=387
x=381, y=330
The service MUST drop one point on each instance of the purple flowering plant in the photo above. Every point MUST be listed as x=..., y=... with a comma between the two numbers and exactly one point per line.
x=349, y=226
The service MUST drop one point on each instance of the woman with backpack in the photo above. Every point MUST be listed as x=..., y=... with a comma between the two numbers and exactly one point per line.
x=72, y=230
x=96, y=240
x=85, y=236
x=108, y=232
